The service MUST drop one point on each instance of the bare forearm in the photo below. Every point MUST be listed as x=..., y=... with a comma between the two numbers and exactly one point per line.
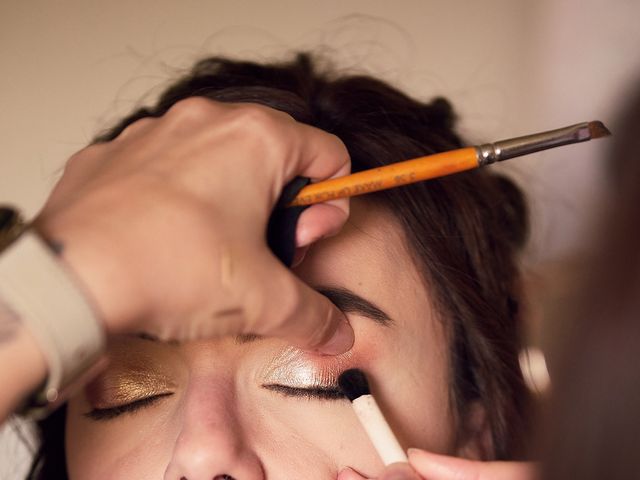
x=22, y=365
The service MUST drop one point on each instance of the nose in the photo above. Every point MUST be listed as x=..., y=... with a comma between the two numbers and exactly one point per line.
x=211, y=443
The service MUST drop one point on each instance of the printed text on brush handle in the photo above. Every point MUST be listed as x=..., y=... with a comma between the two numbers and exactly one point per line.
x=389, y=176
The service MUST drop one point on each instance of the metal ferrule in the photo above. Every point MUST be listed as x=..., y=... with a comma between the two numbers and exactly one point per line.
x=516, y=147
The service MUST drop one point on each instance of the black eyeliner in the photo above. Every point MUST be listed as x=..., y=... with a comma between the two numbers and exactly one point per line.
x=314, y=393
x=99, y=414
x=322, y=393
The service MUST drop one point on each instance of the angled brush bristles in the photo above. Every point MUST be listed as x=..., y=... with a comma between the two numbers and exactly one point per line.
x=598, y=130
x=353, y=383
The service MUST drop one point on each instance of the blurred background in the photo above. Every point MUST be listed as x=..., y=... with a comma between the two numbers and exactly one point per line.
x=511, y=67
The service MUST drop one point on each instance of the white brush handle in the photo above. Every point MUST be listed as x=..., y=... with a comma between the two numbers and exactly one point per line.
x=380, y=434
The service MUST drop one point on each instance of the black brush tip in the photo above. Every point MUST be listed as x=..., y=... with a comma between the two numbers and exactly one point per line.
x=353, y=383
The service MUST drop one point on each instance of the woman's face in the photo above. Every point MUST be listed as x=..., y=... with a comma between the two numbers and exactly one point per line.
x=256, y=408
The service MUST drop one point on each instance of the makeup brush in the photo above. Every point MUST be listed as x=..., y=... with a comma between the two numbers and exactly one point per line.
x=355, y=387
x=447, y=163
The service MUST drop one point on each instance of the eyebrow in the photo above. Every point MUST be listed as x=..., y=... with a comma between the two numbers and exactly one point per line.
x=350, y=302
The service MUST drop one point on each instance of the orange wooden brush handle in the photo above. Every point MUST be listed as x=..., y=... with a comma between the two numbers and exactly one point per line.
x=389, y=176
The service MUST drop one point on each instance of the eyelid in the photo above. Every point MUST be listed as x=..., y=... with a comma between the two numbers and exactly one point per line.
x=298, y=369
x=123, y=384
x=108, y=413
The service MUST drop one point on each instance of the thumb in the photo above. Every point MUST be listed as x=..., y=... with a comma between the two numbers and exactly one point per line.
x=442, y=467
x=277, y=303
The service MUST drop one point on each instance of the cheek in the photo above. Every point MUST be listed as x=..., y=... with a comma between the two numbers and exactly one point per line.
x=318, y=437
x=424, y=397
x=411, y=382
x=135, y=447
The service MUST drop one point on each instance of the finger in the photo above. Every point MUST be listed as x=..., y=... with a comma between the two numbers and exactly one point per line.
x=277, y=303
x=442, y=467
x=318, y=154
x=322, y=156
x=298, y=256
x=137, y=128
x=320, y=221
x=399, y=471
x=350, y=474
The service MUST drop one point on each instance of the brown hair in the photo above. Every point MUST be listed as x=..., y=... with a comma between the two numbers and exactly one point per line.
x=464, y=231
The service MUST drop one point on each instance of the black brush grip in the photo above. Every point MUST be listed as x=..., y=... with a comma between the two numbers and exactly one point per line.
x=281, y=229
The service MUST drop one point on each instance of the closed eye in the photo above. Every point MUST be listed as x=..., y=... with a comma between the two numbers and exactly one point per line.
x=321, y=393
x=112, y=412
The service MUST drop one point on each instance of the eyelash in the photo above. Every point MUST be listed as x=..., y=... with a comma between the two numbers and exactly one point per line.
x=318, y=393
x=113, y=412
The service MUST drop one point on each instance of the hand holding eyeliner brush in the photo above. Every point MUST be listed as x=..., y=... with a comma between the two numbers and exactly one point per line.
x=446, y=163
x=355, y=386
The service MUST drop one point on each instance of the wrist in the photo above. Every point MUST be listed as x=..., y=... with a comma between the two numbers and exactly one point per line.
x=38, y=291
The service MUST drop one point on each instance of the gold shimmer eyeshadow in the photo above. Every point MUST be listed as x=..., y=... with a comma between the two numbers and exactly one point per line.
x=295, y=368
x=122, y=384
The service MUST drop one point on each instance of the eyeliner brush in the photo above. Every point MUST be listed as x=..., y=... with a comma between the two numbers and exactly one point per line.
x=446, y=163
x=355, y=387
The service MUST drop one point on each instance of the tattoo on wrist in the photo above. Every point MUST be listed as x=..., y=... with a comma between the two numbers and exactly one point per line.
x=56, y=246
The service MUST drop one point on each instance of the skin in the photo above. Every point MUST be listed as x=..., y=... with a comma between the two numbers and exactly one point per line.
x=425, y=465
x=114, y=197
x=125, y=210
x=219, y=419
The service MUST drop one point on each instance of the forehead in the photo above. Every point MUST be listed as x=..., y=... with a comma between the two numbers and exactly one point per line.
x=369, y=256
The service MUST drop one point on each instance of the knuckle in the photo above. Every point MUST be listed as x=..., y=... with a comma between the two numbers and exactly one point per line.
x=253, y=117
x=342, y=148
x=75, y=159
x=135, y=127
x=264, y=126
x=81, y=157
x=192, y=109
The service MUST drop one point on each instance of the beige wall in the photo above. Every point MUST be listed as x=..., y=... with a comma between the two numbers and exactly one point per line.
x=68, y=67
x=71, y=65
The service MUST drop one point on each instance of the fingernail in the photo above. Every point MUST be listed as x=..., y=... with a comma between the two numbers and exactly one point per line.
x=399, y=472
x=349, y=473
x=341, y=341
x=305, y=237
x=298, y=256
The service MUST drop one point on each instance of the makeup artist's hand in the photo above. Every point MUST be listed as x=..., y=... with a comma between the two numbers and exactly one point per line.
x=424, y=465
x=165, y=225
